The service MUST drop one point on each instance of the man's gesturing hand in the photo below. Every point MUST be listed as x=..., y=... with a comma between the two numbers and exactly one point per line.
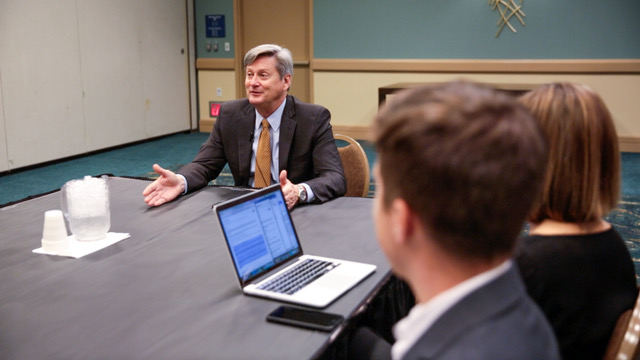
x=164, y=189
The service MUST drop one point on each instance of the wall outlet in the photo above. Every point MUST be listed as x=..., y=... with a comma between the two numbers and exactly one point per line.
x=219, y=92
x=227, y=46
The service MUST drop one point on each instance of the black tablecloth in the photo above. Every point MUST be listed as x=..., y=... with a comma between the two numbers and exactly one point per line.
x=168, y=291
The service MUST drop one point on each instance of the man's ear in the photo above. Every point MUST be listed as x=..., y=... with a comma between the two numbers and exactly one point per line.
x=402, y=221
x=287, y=81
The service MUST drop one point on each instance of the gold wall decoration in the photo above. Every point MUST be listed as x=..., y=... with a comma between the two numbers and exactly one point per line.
x=507, y=9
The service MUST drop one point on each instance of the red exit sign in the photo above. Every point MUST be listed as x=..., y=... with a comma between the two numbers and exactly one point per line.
x=214, y=108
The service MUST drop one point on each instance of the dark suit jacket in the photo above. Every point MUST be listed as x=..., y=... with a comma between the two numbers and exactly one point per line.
x=497, y=321
x=307, y=148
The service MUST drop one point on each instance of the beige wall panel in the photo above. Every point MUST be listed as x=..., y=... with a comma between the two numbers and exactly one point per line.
x=166, y=68
x=112, y=72
x=209, y=81
x=352, y=97
x=4, y=160
x=41, y=82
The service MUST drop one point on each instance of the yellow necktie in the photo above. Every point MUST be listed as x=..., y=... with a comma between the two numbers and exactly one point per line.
x=263, y=158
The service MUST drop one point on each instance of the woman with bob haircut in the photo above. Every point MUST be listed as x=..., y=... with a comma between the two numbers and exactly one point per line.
x=575, y=264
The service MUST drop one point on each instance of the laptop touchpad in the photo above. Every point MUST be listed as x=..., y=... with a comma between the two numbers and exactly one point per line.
x=335, y=280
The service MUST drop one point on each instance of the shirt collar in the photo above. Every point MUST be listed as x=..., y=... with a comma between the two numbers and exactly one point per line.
x=274, y=119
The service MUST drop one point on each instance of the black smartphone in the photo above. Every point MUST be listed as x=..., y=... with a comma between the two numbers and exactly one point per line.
x=310, y=319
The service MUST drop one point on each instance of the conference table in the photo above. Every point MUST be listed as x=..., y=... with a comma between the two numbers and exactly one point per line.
x=168, y=291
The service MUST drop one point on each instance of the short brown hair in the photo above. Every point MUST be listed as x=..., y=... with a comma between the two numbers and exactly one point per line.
x=582, y=183
x=466, y=159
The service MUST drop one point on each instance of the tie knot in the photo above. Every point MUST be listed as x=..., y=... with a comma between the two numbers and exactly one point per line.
x=265, y=123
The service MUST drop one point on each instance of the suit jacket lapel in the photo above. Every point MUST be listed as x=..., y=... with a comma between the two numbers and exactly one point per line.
x=246, y=124
x=287, y=129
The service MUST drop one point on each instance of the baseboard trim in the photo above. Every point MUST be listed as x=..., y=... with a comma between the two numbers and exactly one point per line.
x=629, y=144
x=206, y=125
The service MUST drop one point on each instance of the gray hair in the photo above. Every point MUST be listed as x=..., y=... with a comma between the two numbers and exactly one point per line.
x=284, y=60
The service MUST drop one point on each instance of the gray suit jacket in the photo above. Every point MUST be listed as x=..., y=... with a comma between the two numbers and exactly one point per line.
x=307, y=148
x=497, y=321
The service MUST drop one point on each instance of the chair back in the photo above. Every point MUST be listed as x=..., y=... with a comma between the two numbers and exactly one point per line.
x=623, y=344
x=356, y=166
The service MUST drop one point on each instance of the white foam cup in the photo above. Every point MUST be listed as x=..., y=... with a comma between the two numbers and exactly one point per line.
x=54, y=232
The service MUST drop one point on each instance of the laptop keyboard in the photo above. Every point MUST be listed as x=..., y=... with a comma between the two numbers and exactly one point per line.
x=297, y=277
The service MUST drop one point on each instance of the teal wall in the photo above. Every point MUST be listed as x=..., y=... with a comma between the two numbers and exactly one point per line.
x=465, y=29
x=455, y=29
x=203, y=8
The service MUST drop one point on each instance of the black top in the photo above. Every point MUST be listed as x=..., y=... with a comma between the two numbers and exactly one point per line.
x=582, y=283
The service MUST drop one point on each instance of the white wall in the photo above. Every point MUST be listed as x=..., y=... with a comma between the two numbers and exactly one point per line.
x=4, y=162
x=41, y=81
x=83, y=75
x=164, y=46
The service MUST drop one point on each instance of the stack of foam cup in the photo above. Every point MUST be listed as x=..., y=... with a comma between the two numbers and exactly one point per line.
x=54, y=232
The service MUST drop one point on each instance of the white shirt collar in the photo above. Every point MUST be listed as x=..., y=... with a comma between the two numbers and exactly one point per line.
x=408, y=330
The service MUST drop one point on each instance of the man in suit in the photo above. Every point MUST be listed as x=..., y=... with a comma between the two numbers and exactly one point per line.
x=458, y=168
x=303, y=156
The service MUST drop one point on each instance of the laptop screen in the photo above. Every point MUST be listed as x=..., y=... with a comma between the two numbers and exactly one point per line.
x=258, y=231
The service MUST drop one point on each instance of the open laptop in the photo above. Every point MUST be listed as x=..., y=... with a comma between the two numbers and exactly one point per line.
x=264, y=245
